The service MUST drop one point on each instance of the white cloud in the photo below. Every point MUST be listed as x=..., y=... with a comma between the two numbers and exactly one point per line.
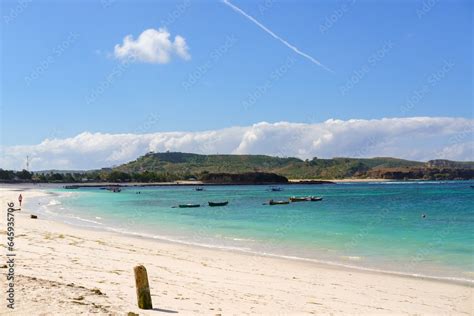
x=152, y=46
x=458, y=150
x=418, y=138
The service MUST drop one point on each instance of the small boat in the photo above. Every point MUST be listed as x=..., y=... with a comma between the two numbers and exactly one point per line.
x=188, y=205
x=298, y=199
x=199, y=189
x=218, y=203
x=315, y=198
x=271, y=202
x=71, y=187
x=276, y=189
x=113, y=189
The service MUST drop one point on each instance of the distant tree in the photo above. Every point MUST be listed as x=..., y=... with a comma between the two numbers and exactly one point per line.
x=42, y=178
x=24, y=175
x=6, y=175
x=95, y=176
x=56, y=177
x=118, y=176
x=68, y=178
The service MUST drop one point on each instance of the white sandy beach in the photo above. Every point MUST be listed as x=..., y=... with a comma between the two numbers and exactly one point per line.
x=64, y=270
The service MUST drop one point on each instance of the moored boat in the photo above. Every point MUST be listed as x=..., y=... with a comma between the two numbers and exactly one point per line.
x=113, y=189
x=315, y=198
x=298, y=199
x=199, y=189
x=188, y=205
x=272, y=202
x=212, y=204
x=71, y=187
x=276, y=189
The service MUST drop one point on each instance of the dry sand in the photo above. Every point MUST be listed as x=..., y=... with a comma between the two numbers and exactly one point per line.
x=63, y=270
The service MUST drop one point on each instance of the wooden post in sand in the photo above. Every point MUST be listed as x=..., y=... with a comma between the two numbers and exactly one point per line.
x=143, y=288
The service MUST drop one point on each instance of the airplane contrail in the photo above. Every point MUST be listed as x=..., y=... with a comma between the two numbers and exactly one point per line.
x=263, y=27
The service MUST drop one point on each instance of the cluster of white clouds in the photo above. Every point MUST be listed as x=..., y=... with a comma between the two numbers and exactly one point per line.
x=417, y=138
x=152, y=46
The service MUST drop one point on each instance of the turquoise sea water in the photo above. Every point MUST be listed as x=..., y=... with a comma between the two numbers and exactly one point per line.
x=375, y=226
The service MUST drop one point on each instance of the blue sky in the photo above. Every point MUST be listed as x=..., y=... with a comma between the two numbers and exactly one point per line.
x=388, y=59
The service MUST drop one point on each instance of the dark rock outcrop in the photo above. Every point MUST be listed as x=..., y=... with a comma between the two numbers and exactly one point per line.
x=243, y=178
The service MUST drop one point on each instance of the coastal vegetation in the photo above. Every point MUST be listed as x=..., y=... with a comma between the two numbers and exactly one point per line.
x=295, y=168
x=242, y=178
x=105, y=175
x=173, y=166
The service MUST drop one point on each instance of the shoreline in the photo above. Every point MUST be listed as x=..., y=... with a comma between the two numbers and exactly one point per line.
x=183, y=183
x=249, y=252
x=121, y=245
x=322, y=263
x=74, y=223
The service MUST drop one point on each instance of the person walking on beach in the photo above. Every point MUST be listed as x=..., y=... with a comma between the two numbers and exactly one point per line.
x=20, y=198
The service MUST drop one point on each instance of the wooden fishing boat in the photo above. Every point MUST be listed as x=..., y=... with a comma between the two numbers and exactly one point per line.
x=298, y=199
x=315, y=198
x=71, y=187
x=212, y=204
x=271, y=202
x=188, y=205
x=114, y=189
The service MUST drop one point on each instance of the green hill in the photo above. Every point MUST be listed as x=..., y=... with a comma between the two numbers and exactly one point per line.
x=172, y=166
x=175, y=162
x=186, y=165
